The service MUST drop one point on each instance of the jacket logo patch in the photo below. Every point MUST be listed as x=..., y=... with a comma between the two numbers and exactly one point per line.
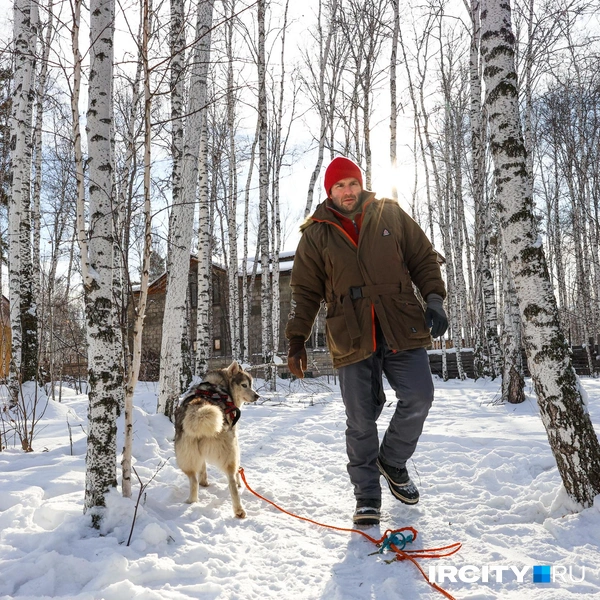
x=385, y=232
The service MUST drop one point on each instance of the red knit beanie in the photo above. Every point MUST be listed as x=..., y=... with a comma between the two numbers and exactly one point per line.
x=340, y=168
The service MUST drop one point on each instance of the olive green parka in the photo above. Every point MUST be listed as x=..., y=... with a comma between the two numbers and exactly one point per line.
x=360, y=281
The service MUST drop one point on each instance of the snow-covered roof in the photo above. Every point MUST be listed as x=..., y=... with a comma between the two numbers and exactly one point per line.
x=286, y=262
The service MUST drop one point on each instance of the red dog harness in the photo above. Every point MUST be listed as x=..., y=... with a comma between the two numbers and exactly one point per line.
x=218, y=397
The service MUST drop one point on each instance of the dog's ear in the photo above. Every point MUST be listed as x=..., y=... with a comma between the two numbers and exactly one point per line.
x=233, y=368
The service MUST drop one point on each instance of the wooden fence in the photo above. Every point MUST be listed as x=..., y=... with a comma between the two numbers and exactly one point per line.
x=319, y=364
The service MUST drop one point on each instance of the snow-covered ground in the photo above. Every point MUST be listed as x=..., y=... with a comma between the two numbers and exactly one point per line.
x=485, y=471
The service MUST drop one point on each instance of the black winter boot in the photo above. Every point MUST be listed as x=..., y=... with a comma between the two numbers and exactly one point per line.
x=367, y=511
x=399, y=482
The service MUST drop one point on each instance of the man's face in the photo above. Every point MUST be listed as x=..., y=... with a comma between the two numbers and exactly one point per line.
x=345, y=194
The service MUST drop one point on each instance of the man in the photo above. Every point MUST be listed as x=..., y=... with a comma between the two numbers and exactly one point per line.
x=362, y=255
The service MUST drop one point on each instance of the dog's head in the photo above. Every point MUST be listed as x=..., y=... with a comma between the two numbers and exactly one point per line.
x=236, y=381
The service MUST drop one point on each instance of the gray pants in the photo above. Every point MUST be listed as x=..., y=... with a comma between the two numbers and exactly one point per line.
x=361, y=383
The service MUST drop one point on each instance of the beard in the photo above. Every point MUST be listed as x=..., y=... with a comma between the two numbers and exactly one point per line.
x=347, y=210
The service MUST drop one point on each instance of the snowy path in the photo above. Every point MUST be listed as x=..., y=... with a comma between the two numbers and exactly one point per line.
x=485, y=472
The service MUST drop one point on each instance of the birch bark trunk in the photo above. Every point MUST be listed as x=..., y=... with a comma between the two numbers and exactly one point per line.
x=487, y=343
x=443, y=201
x=76, y=139
x=104, y=352
x=513, y=383
x=248, y=286
x=462, y=242
x=570, y=432
x=232, y=194
x=23, y=313
x=263, y=185
x=204, y=312
x=446, y=192
x=393, y=95
x=41, y=90
x=459, y=245
x=80, y=230
x=181, y=221
x=487, y=311
x=177, y=44
x=279, y=151
x=139, y=310
x=558, y=240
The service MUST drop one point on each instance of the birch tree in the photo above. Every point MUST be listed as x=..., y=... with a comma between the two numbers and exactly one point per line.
x=105, y=369
x=27, y=287
x=181, y=219
x=570, y=432
x=232, y=195
x=394, y=93
x=487, y=346
x=139, y=310
x=177, y=46
x=263, y=187
x=75, y=91
x=279, y=147
x=46, y=35
x=22, y=308
x=248, y=285
x=449, y=196
x=324, y=41
x=203, y=315
x=513, y=383
x=6, y=76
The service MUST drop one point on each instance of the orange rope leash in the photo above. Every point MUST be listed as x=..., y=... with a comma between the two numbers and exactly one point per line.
x=410, y=555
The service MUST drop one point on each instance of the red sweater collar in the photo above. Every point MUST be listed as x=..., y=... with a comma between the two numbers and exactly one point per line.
x=351, y=227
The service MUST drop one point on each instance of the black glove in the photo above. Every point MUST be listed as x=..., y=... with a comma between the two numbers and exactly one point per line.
x=435, y=316
x=297, y=357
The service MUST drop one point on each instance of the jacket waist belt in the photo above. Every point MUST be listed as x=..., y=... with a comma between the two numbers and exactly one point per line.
x=365, y=291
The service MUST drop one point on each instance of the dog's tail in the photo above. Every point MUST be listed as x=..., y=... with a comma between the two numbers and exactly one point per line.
x=201, y=421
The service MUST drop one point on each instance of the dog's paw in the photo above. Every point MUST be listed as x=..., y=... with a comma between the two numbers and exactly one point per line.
x=191, y=500
x=203, y=483
x=240, y=514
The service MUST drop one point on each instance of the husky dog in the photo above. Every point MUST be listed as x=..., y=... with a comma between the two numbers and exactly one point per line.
x=206, y=431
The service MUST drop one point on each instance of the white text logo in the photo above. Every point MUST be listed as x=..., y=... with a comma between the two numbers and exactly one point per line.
x=497, y=573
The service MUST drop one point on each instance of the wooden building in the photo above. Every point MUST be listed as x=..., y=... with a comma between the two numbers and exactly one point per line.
x=221, y=337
